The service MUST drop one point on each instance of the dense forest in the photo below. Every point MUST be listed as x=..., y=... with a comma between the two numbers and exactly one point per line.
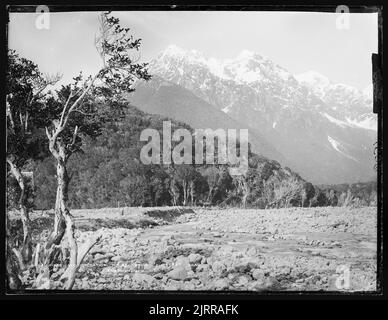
x=107, y=172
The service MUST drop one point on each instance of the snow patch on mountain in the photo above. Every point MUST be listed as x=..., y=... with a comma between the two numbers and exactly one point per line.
x=216, y=68
x=368, y=91
x=314, y=80
x=337, y=145
x=321, y=86
x=368, y=123
x=250, y=67
x=338, y=122
x=226, y=109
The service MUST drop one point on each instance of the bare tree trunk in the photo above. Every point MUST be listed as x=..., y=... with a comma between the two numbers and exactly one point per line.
x=72, y=268
x=12, y=270
x=27, y=246
x=60, y=205
x=184, y=185
x=244, y=200
x=210, y=195
x=303, y=200
x=12, y=267
x=83, y=250
x=63, y=219
x=246, y=194
x=192, y=192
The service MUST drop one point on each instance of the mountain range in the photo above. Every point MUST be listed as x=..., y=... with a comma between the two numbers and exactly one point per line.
x=322, y=130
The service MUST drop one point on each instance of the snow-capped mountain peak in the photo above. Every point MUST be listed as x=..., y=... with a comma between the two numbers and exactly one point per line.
x=173, y=50
x=321, y=85
x=247, y=54
x=312, y=77
x=246, y=67
x=295, y=113
x=368, y=91
x=314, y=80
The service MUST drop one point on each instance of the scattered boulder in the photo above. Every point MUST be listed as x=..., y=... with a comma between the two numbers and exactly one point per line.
x=258, y=274
x=182, y=261
x=161, y=268
x=243, y=280
x=194, y=258
x=265, y=283
x=218, y=268
x=100, y=256
x=178, y=273
x=143, y=278
x=221, y=284
x=245, y=265
x=203, y=268
x=117, y=258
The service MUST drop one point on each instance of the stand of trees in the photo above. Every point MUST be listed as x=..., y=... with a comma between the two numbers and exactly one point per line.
x=355, y=194
x=108, y=173
x=40, y=122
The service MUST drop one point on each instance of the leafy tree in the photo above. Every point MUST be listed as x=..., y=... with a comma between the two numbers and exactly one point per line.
x=184, y=178
x=347, y=198
x=242, y=188
x=319, y=199
x=218, y=181
x=288, y=191
x=25, y=88
x=174, y=191
x=80, y=109
x=332, y=197
x=307, y=193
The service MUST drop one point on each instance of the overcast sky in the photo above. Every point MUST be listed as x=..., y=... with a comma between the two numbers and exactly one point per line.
x=298, y=42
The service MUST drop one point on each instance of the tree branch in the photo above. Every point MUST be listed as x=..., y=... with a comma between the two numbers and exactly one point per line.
x=65, y=107
x=79, y=100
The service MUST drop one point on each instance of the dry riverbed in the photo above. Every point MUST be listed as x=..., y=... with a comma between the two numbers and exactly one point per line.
x=227, y=249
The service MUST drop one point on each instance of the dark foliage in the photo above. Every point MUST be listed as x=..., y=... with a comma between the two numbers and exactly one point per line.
x=108, y=173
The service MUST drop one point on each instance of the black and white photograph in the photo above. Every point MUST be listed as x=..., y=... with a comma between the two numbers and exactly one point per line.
x=219, y=151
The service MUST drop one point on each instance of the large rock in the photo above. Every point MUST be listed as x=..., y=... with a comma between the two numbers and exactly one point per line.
x=218, y=268
x=245, y=265
x=221, y=284
x=264, y=283
x=107, y=256
x=203, y=268
x=118, y=258
x=143, y=278
x=183, y=261
x=161, y=268
x=178, y=273
x=258, y=274
x=195, y=258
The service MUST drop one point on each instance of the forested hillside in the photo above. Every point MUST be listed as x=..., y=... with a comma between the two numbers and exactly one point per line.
x=108, y=173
